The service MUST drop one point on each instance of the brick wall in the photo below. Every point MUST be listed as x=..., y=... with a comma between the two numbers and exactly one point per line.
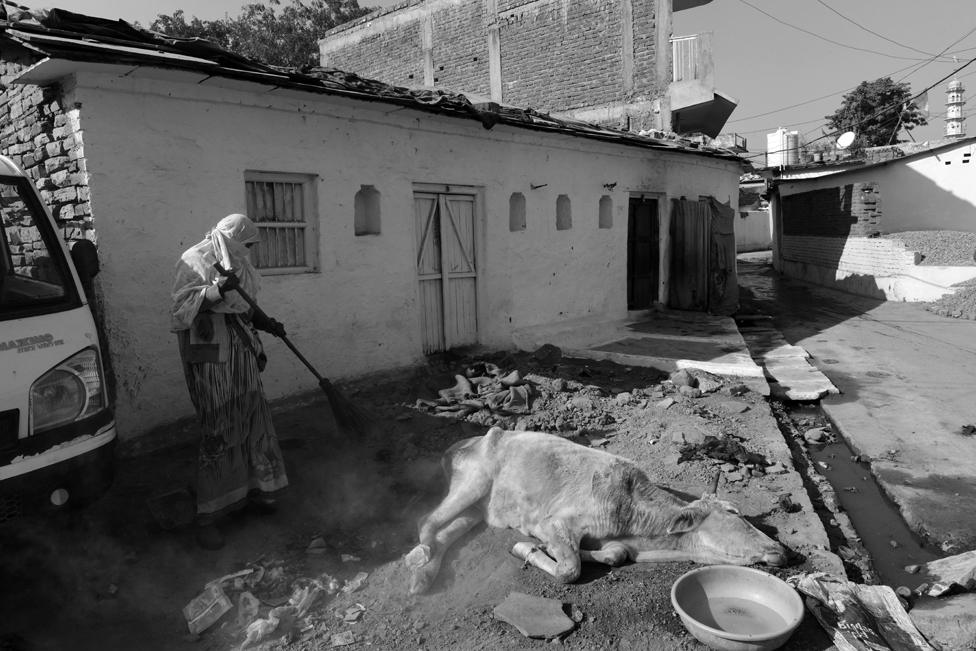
x=853, y=255
x=553, y=60
x=43, y=136
x=394, y=56
x=849, y=210
x=460, y=49
x=555, y=55
x=828, y=238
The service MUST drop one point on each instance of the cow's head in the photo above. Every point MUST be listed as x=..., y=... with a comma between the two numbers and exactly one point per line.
x=712, y=531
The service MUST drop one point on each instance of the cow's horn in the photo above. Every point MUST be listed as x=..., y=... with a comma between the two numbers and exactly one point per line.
x=718, y=476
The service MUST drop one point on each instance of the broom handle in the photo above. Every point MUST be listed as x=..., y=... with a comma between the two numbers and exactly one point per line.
x=257, y=310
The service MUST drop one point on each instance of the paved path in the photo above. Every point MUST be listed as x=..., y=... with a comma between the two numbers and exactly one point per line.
x=907, y=386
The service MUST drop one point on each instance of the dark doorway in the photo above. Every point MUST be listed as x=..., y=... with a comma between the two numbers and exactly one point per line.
x=643, y=251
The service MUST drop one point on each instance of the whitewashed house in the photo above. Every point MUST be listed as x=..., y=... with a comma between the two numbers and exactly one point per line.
x=396, y=223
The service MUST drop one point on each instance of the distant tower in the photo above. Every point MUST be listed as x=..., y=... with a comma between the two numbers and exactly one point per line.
x=954, y=103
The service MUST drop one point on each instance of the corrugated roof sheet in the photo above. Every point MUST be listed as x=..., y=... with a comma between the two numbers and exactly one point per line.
x=76, y=37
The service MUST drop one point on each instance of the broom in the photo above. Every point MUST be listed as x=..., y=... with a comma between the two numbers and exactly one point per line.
x=347, y=415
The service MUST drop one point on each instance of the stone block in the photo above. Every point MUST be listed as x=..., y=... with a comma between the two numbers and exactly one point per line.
x=949, y=622
x=66, y=195
x=51, y=165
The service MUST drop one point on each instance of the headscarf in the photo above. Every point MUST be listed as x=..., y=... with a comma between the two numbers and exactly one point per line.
x=195, y=272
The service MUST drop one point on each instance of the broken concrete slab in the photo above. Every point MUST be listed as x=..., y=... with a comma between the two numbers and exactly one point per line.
x=948, y=622
x=534, y=617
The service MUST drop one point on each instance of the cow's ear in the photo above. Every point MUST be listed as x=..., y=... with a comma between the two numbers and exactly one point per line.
x=687, y=519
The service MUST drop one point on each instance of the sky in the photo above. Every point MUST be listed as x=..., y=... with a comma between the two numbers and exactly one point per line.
x=787, y=62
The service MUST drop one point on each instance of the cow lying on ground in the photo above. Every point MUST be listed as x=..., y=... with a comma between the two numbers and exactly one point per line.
x=583, y=504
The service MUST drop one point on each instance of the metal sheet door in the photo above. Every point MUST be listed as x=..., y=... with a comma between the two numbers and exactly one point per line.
x=446, y=270
x=689, y=254
x=643, y=250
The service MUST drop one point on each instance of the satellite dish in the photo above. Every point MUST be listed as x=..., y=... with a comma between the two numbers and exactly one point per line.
x=845, y=140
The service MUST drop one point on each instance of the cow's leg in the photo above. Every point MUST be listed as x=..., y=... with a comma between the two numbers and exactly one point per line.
x=466, y=489
x=564, y=547
x=611, y=552
x=424, y=567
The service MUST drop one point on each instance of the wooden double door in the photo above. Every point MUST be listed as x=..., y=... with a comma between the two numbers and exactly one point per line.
x=447, y=269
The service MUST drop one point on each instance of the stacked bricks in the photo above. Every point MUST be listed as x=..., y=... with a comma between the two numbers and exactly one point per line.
x=845, y=211
x=43, y=136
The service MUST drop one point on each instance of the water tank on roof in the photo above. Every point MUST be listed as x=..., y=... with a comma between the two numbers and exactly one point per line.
x=782, y=148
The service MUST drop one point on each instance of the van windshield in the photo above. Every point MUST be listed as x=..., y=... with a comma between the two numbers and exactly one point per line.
x=34, y=276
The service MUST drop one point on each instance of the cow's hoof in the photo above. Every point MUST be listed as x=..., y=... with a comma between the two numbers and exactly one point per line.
x=419, y=582
x=417, y=557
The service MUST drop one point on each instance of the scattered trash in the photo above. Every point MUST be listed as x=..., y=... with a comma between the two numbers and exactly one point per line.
x=738, y=390
x=352, y=613
x=534, y=617
x=230, y=578
x=785, y=502
x=859, y=617
x=483, y=387
x=259, y=629
x=247, y=608
x=355, y=583
x=725, y=449
x=816, y=435
x=344, y=638
x=206, y=608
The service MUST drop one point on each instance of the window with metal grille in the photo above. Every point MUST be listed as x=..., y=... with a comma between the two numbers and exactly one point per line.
x=283, y=207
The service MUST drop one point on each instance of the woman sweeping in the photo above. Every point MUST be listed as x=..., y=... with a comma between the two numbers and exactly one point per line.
x=239, y=459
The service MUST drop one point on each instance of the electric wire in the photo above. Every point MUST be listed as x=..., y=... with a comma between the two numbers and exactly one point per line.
x=871, y=31
x=880, y=111
x=824, y=38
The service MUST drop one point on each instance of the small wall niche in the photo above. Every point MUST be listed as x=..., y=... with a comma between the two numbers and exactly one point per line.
x=516, y=212
x=564, y=213
x=367, y=211
x=606, y=212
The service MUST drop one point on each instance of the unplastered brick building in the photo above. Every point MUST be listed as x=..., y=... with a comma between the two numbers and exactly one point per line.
x=612, y=62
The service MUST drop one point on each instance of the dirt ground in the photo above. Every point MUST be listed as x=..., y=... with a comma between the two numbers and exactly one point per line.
x=109, y=577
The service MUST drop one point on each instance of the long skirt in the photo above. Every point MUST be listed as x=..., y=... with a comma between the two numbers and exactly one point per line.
x=239, y=450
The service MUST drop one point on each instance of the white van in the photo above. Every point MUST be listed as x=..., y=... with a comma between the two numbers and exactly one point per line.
x=57, y=428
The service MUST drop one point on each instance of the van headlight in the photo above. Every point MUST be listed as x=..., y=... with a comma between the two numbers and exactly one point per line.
x=72, y=390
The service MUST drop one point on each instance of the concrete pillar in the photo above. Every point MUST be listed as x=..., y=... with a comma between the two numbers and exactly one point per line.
x=663, y=56
x=627, y=45
x=427, y=46
x=494, y=51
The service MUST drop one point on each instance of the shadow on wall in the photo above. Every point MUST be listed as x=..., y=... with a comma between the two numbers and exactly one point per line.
x=830, y=235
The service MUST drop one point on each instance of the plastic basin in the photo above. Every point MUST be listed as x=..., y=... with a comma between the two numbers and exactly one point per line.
x=732, y=608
